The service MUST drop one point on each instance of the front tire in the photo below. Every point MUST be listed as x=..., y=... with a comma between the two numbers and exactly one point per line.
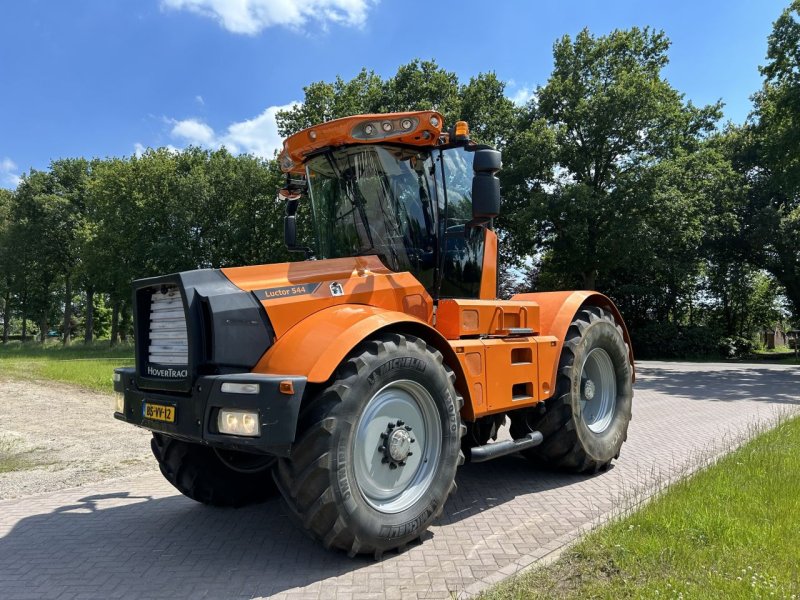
x=377, y=449
x=214, y=477
x=586, y=421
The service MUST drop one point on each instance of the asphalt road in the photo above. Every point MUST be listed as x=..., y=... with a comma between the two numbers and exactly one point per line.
x=135, y=537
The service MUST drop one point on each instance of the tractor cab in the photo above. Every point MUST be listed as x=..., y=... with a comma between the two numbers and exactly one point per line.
x=398, y=188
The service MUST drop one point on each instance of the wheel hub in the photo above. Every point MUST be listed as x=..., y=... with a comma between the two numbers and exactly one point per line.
x=588, y=389
x=396, y=444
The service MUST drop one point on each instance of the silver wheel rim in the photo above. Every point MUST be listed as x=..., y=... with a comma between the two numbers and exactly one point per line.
x=598, y=390
x=394, y=489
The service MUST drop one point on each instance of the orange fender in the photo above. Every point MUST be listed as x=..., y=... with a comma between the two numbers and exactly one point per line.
x=558, y=309
x=318, y=344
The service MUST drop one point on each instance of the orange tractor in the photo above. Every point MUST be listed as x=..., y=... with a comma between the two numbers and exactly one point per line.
x=357, y=381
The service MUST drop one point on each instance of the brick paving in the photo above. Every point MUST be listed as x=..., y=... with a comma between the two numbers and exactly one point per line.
x=135, y=538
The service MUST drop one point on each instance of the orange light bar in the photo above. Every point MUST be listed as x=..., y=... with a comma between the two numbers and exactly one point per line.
x=421, y=128
x=461, y=130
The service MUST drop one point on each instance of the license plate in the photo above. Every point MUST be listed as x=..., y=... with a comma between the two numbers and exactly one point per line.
x=158, y=412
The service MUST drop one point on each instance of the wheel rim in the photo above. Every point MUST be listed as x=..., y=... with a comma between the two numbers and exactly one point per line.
x=397, y=446
x=598, y=390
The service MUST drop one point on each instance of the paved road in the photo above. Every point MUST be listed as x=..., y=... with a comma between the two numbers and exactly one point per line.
x=135, y=538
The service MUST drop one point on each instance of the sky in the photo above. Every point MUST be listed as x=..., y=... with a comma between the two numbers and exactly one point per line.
x=99, y=78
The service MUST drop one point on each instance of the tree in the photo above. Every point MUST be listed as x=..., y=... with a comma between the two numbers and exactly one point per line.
x=6, y=200
x=769, y=156
x=619, y=139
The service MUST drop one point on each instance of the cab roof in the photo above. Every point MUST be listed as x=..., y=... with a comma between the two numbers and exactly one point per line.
x=420, y=128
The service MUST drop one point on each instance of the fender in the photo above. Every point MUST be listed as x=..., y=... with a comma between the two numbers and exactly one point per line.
x=318, y=344
x=557, y=310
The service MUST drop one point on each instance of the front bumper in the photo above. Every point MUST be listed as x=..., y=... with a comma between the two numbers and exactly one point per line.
x=196, y=412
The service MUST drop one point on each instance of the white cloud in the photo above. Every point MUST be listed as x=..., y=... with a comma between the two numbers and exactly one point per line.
x=138, y=149
x=258, y=136
x=8, y=174
x=193, y=131
x=250, y=17
x=199, y=100
x=522, y=96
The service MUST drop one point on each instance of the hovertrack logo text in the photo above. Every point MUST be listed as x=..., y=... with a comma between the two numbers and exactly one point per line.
x=167, y=372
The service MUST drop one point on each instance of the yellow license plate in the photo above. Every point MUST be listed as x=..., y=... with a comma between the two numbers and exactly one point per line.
x=159, y=412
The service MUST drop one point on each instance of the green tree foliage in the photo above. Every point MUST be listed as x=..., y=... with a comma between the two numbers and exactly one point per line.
x=611, y=120
x=769, y=156
x=418, y=85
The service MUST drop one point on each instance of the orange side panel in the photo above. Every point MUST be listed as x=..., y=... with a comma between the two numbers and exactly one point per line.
x=316, y=345
x=488, y=289
x=502, y=374
x=472, y=356
x=511, y=374
x=460, y=318
x=558, y=310
x=548, y=349
x=290, y=292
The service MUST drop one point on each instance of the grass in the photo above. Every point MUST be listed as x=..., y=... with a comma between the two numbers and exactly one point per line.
x=779, y=355
x=90, y=366
x=729, y=531
x=12, y=458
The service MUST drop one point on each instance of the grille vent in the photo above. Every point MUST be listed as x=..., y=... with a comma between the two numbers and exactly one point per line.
x=168, y=339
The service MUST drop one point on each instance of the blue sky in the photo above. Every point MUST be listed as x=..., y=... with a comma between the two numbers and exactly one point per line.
x=104, y=78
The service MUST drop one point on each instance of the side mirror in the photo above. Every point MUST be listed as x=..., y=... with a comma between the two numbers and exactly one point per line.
x=290, y=226
x=290, y=231
x=485, y=186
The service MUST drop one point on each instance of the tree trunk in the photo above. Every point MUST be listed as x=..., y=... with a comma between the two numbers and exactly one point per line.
x=114, y=322
x=43, y=329
x=67, y=310
x=24, y=315
x=88, y=336
x=589, y=280
x=124, y=322
x=6, y=316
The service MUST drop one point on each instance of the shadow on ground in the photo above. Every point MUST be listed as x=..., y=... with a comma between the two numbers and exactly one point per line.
x=172, y=547
x=743, y=382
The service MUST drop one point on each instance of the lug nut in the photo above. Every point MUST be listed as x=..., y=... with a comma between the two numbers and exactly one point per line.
x=408, y=427
x=382, y=449
x=400, y=423
x=390, y=426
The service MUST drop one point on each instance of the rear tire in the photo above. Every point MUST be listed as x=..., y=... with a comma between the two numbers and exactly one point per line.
x=586, y=421
x=360, y=478
x=217, y=478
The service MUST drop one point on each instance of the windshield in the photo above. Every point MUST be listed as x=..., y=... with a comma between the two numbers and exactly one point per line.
x=375, y=200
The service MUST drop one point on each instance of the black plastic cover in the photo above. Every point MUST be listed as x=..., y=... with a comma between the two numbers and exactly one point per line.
x=227, y=329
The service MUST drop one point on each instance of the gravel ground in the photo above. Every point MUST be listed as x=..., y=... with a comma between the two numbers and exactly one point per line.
x=62, y=436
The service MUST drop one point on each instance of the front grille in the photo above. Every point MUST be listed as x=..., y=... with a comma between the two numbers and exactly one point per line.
x=168, y=341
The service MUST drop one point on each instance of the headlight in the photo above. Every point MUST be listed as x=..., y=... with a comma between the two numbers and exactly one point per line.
x=119, y=403
x=238, y=422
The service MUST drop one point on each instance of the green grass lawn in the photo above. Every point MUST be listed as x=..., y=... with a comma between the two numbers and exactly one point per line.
x=729, y=531
x=781, y=355
x=90, y=366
